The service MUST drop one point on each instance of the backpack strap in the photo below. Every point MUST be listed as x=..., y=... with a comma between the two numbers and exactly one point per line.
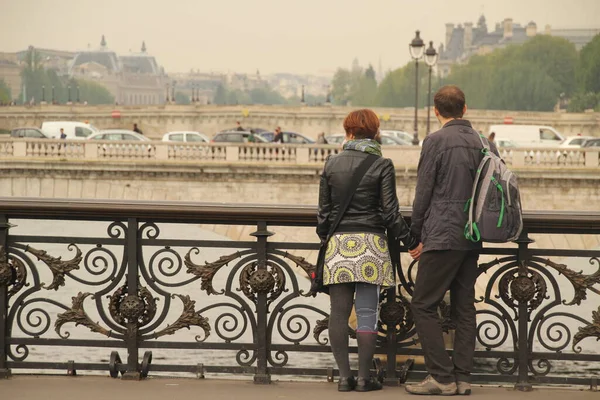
x=471, y=230
x=360, y=172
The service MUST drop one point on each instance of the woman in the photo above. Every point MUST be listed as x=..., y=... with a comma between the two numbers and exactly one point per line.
x=357, y=261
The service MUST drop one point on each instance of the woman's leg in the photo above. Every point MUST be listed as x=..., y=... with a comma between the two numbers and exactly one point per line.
x=367, y=313
x=342, y=296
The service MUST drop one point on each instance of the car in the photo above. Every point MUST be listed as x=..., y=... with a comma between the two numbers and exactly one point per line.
x=185, y=136
x=407, y=137
x=118, y=135
x=591, y=143
x=236, y=137
x=73, y=129
x=502, y=143
x=575, y=142
x=288, y=137
x=29, y=133
x=386, y=140
x=528, y=135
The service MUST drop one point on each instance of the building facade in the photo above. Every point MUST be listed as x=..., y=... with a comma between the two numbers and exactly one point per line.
x=134, y=79
x=465, y=40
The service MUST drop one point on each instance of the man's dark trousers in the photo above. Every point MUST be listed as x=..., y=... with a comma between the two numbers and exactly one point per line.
x=439, y=271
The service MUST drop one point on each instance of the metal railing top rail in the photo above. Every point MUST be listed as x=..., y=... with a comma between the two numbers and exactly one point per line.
x=238, y=214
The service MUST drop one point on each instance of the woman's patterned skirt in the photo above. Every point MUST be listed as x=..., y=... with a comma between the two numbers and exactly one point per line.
x=358, y=257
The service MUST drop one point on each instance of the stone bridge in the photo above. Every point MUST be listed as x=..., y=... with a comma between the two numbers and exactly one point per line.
x=157, y=120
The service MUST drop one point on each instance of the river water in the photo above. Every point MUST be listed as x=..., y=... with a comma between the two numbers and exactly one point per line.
x=36, y=323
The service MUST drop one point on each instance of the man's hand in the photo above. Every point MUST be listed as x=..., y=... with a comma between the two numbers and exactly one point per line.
x=416, y=252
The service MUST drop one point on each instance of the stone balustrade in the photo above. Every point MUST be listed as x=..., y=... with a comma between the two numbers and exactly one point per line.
x=403, y=156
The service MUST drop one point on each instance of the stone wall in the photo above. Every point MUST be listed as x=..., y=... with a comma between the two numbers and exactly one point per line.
x=541, y=189
x=157, y=120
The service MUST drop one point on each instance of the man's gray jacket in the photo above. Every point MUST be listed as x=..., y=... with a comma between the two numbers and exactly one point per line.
x=447, y=167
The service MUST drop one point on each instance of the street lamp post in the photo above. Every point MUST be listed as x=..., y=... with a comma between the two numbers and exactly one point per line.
x=416, y=48
x=431, y=57
x=43, y=93
x=173, y=92
x=167, y=101
x=52, y=94
x=78, y=98
x=69, y=90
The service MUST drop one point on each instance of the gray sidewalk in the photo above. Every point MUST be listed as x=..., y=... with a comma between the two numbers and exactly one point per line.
x=100, y=388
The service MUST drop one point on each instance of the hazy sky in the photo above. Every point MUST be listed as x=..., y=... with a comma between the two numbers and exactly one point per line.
x=301, y=36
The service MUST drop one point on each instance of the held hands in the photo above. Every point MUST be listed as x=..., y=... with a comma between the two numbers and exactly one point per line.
x=416, y=252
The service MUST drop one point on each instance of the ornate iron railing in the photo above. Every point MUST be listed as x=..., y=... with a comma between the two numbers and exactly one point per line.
x=248, y=310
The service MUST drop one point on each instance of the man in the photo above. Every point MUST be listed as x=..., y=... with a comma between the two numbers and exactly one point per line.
x=239, y=127
x=447, y=261
x=63, y=135
x=278, y=136
x=136, y=129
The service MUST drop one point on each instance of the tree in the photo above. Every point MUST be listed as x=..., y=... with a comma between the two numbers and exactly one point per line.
x=340, y=86
x=181, y=98
x=93, y=92
x=555, y=56
x=522, y=86
x=397, y=89
x=588, y=73
x=5, y=96
x=220, y=95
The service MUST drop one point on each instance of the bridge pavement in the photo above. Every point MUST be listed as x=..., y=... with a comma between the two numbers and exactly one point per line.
x=101, y=388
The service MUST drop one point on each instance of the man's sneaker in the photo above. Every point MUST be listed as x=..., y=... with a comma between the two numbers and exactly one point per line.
x=430, y=386
x=463, y=388
x=346, y=384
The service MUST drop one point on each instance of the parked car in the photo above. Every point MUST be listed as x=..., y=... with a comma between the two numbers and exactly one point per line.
x=503, y=143
x=185, y=136
x=575, y=142
x=73, y=129
x=407, y=137
x=595, y=142
x=386, y=140
x=528, y=135
x=30, y=133
x=117, y=135
x=236, y=137
x=288, y=137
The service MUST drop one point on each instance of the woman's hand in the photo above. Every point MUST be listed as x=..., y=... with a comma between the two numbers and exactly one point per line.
x=416, y=252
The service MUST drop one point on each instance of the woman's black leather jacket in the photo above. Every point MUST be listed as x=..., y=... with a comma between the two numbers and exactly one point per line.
x=374, y=207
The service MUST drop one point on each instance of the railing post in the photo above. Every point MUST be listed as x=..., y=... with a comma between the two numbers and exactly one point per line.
x=262, y=375
x=162, y=151
x=524, y=352
x=90, y=150
x=592, y=159
x=391, y=377
x=4, y=271
x=232, y=153
x=133, y=370
x=20, y=148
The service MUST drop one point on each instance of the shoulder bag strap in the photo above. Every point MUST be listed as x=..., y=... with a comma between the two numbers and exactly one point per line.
x=354, y=183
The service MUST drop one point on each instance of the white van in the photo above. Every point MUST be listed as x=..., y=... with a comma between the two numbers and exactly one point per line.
x=73, y=130
x=528, y=135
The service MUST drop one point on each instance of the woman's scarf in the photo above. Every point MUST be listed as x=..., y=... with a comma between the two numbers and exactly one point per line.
x=365, y=145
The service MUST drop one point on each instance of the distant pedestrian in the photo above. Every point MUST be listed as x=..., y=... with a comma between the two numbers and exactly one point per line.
x=251, y=136
x=278, y=136
x=63, y=135
x=239, y=127
x=321, y=138
x=136, y=129
x=492, y=137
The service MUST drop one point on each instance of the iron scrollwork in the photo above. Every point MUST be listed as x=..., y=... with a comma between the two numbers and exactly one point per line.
x=591, y=330
x=12, y=272
x=139, y=309
x=58, y=267
x=397, y=315
x=77, y=315
x=189, y=317
x=254, y=280
x=516, y=287
x=208, y=271
x=581, y=282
